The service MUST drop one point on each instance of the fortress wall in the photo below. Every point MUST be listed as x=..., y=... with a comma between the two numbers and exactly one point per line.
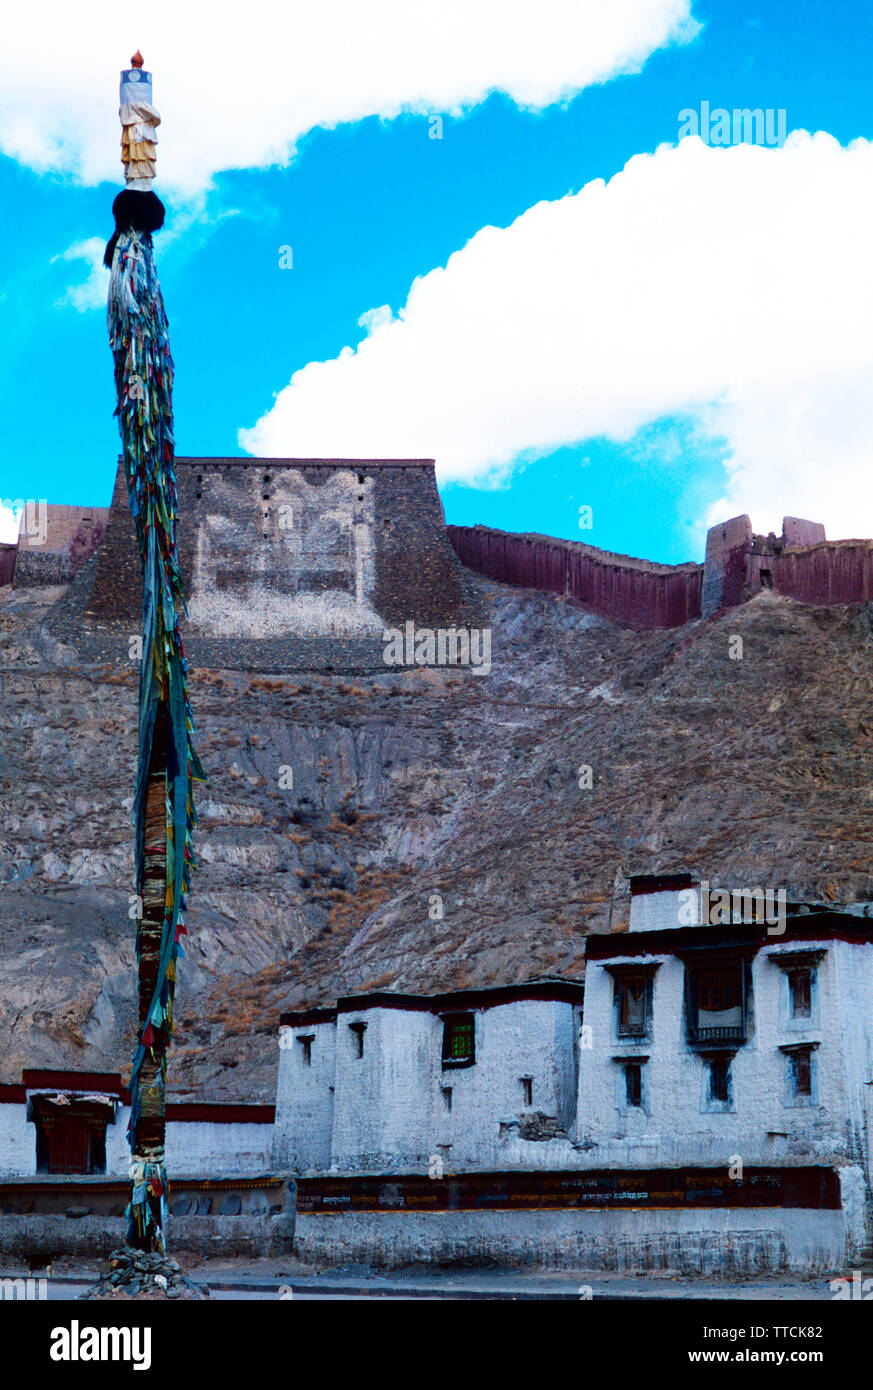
x=643, y=594
x=531, y=562
x=724, y=569
x=7, y=563
x=833, y=572
x=797, y=531
x=54, y=542
x=416, y=569
x=315, y=558
x=639, y=593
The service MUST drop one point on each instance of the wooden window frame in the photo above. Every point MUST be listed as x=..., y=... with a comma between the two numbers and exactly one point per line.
x=713, y=1035
x=454, y=1026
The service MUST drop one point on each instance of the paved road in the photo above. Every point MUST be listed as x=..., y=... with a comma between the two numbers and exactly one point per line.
x=270, y=1285
x=59, y=1291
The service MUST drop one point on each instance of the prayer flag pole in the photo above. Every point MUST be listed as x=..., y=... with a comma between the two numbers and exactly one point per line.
x=164, y=814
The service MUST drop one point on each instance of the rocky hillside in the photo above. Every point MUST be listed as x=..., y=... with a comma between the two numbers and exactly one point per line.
x=413, y=795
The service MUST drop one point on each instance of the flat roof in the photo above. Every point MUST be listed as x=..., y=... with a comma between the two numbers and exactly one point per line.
x=486, y=997
x=673, y=941
x=109, y=1083
x=191, y=460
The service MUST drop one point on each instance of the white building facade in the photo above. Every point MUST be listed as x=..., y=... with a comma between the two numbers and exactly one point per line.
x=422, y=1083
x=75, y=1123
x=710, y=1040
x=742, y=1050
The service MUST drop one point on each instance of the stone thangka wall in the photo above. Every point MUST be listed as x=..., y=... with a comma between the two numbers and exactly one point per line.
x=295, y=547
x=639, y=593
x=294, y=555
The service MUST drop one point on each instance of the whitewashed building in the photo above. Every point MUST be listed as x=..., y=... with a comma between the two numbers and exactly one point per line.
x=708, y=1111
x=705, y=1040
x=75, y=1123
x=742, y=1050
x=415, y=1083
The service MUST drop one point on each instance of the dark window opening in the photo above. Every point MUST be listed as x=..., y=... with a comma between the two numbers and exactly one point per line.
x=527, y=1089
x=361, y=478
x=632, y=1001
x=633, y=1084
x=358, y=1030
x=306, y=1043
x=720, y=1079
x=800, y=1063
x=717, y=1004
x=447, y=1097
x=766, y=579
x=458, y=1040
x=800, y=992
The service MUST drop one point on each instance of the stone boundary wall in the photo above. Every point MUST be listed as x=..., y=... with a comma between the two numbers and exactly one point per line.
x=34, y=568
x=48, y=1216
x=636, y=593
x=797, y=1218
x=47, y=1237
x=723, y=1242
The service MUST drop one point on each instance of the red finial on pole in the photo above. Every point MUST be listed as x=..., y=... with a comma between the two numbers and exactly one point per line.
x=137, y=60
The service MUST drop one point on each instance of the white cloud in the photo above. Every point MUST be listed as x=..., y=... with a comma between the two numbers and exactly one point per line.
x=91, y=292
x=731, y=286
x=237, y=86
x=8, y=522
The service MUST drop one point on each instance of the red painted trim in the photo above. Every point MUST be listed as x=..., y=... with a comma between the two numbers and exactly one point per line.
x=73, y=1186
x=675, y=941
x=12, y=1095
x=301, y=1017
x=641, y=884
x=110, y=1083
x=815, y=1188
x=221, y=1114
x=105, y=1081
x=461, y=1000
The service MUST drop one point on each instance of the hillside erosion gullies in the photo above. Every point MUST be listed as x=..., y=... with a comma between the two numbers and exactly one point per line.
x=434, y=833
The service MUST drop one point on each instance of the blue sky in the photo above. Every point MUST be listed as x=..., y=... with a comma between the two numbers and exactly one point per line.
x=371, y=204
